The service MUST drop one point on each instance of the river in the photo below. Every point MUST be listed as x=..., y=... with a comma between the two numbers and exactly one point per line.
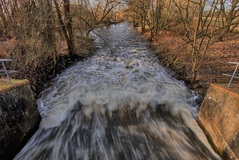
x=119, y=104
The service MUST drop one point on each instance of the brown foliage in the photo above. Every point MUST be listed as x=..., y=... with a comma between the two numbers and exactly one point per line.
x=39, y=67
x=173, y=54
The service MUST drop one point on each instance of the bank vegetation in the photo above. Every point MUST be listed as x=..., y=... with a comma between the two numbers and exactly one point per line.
x=196, y=38
x=43, y=37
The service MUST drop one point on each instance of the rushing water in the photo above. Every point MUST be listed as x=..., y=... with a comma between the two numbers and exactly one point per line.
x=119, y=104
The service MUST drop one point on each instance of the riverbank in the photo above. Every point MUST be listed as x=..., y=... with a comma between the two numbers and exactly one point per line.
x=119, y=98
x=41, y=69
x=168, y=47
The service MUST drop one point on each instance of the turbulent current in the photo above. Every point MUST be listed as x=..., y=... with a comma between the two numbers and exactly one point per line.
x=119, y=104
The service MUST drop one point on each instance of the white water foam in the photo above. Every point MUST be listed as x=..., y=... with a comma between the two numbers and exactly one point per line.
x=116, y=106
x=129, y=77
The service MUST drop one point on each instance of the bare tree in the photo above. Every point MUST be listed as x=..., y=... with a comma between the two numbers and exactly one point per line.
x=95, y=15
x=198, y=29
x=37, y=27
x=65, y=20
x=140, y=12
x=7, y=14
x=154, y=16
x=230, y=14
x=31, y=25
x=157, y=8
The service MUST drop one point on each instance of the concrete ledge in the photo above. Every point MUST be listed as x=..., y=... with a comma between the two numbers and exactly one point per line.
x=219, y=118
x=19, y=116
x=6, y=86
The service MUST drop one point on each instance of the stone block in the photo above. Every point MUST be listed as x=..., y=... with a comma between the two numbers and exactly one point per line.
x=19, y=118
x=219, y=118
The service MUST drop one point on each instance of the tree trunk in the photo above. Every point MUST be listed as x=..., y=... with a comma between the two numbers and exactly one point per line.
x=48, y=31
x=68, y=19
x=4, y=20
x=194, y=72
x=66, y=28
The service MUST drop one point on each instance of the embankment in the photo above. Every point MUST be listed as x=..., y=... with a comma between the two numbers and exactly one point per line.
x=219, y=117
x=19, y=117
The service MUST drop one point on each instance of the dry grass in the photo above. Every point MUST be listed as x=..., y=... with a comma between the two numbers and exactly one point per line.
x=214, y=65
x=5, y=46
x=37, y=63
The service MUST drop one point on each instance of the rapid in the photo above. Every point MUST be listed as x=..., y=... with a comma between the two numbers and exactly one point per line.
x=119, y=104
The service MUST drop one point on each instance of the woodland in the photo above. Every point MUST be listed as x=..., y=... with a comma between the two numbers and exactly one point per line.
x=194, y=38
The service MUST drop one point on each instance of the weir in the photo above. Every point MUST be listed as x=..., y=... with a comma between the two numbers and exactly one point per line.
x=118, y=104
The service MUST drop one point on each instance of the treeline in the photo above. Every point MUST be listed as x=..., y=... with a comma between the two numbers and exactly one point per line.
x=49, y=35
x=199, y=23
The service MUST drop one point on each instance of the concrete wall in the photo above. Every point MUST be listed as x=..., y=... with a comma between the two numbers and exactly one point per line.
x=19, y=118
x=219, y=117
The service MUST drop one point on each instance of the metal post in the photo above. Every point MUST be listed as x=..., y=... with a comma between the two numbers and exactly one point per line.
x=233, y=75
x=5, y=70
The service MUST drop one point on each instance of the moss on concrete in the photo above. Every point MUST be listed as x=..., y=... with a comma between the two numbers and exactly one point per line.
x=5, y=85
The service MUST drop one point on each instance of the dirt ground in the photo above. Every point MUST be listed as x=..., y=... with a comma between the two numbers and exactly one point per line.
x=214, y=65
